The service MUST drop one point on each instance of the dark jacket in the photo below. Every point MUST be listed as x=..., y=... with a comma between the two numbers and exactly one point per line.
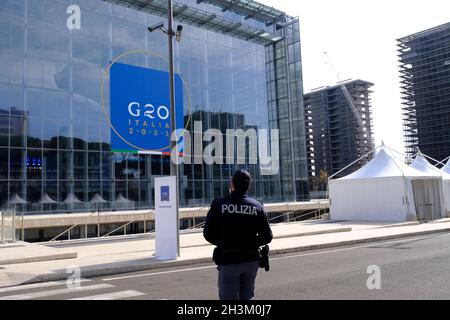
x=238, y=226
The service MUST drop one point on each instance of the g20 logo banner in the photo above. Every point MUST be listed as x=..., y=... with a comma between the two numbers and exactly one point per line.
x=140, y=109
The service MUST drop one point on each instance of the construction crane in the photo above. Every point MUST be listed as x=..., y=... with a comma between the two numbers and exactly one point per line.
x=347, y=94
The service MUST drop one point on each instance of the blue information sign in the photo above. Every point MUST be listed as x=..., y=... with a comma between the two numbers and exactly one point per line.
x=165, y=195
x=140, y=109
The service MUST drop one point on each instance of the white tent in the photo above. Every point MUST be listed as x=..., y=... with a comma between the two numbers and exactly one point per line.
x=16, y=199
x=382, y=190
x=428, y=193
x=446, y=178
x=46, y=199
x=122, y=199
x=122, y=203
x=71, y=198
x=97, y=199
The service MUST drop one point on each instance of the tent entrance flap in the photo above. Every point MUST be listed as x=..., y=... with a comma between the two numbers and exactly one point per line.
x=427, y=199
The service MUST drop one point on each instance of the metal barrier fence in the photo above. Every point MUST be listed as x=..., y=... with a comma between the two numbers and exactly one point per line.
x=97, y=225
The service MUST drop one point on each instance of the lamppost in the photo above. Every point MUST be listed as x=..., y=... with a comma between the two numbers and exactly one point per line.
x=173, y=144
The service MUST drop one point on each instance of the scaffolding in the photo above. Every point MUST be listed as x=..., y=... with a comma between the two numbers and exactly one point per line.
x=335, y=137
x=424, y=80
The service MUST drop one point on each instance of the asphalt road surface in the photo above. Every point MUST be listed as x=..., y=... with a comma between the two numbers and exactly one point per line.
x=411, y=268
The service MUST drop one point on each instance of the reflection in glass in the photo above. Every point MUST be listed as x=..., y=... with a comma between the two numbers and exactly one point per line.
x=50, y=134
x=34, y=136
x=17, y=124
x=50, y=163
x=4, y=164
x=51, y=188
x=64, y=164
x=94, y=189
x=120, y=165
x=94, y=165
x=93, y=136
x=34, y=163
x=156, y=165
x=121, y=189
x=4, y=127
x=16, y=188
x=145, y=196
x=80, y=136
x=3, y=191
x=133, y=167
x=143, y=166
x=133, y=191
x=62, y=127
x=107, y=190
x=63, y=190
x=106, y=168
x=80, y=190
x=16, y=163
x=79, y=165
x=34, y=191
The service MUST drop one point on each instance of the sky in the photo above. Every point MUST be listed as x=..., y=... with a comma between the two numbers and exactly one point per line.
x=360, y=39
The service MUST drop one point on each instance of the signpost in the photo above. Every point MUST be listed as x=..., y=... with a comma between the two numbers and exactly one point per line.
x=166, y=219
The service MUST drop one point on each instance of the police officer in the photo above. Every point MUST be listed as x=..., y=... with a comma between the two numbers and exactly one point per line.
x=237, y=225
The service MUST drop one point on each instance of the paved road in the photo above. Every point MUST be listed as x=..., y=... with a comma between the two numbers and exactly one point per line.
x=413, y=268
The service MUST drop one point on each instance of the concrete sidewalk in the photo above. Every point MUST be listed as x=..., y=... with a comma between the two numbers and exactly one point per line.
x=136, y=253
x=23, y=252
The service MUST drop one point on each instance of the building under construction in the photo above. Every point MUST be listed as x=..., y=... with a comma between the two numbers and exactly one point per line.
x=338, y=129
x=425, y=84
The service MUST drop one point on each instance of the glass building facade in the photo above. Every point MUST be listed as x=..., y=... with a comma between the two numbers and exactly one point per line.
x=242, y=70
x=336, y=136
x=425, y=83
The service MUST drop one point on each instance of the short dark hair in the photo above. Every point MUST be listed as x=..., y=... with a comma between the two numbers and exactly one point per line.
x=241, y=181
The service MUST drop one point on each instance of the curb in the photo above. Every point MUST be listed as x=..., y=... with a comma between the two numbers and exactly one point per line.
x=92, y=272
x=405, y=224
x=51, y=257
x=314, y=233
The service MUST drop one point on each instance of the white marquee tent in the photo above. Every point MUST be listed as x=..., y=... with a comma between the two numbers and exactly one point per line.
x=382, y=190
x=428, y=194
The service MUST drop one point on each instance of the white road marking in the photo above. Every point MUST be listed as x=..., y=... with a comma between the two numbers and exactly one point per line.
x=36, y=285
x=158, y=273
x=271, y=259
x=113, y=295
x=44, y=294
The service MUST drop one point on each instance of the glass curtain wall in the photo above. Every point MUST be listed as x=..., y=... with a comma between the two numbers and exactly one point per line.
x=55, y=149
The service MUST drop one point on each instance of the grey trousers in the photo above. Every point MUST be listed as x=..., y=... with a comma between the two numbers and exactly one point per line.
x=237, y=281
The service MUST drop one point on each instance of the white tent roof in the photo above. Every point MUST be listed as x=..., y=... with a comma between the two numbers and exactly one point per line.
x=422, y=164
x=71, y=198
x=46, y=199
x=384, y=165
x=97, y=199
x=16, y=199
x=446, y=169
x=122, y=199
